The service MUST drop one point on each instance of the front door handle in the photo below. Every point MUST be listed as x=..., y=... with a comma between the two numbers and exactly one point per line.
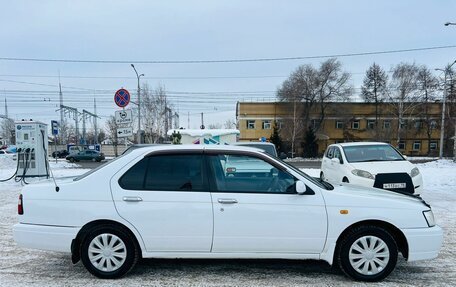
x=132, y=198
x=227, y=200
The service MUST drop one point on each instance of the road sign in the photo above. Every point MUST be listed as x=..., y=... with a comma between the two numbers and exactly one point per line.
x=55, y=128
x=124, y=117
x=124, y=132
x=122, y=98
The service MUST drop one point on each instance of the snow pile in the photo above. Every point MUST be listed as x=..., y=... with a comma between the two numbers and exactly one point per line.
x=7, y=162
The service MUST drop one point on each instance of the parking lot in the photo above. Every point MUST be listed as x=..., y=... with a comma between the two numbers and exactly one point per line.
x=23, y=267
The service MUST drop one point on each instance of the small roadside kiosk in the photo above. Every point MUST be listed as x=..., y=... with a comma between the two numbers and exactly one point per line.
x=207, y=136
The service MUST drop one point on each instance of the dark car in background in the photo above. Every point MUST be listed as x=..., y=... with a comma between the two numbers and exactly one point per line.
x=60, y=153
x=91, y=155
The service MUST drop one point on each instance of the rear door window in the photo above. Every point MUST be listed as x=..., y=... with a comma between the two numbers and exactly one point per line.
x=182, y=172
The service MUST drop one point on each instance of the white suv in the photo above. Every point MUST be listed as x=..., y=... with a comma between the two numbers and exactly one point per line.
x=178, y=201
x=370, y=164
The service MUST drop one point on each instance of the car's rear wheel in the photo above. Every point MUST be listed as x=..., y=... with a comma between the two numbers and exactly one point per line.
x=109, y=252
x=367, y=253
x=71, y=159
x=94, y=159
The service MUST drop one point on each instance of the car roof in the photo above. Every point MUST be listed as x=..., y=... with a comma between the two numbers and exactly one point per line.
x=193, y=147
x=361, y=143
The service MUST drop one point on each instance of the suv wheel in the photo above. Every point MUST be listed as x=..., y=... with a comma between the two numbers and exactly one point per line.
x=109, y=252
x=367, y=253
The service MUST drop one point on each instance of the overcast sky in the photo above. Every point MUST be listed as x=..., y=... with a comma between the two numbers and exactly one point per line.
x=201, y=30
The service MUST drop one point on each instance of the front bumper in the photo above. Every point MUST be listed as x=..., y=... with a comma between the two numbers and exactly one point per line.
x=423, y=243
x=417, y=182
x=44, y=237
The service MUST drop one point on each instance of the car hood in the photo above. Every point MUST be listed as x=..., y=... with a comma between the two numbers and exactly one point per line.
x=376, y=167
x=372, y=197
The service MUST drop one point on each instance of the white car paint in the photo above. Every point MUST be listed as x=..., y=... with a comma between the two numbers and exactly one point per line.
x=197, y=225
x=335, y=171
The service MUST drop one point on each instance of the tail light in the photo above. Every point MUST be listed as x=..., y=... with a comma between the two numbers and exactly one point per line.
x=20, y=207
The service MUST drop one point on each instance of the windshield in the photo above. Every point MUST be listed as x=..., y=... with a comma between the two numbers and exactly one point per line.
x=365, y=153
x=268, y=148
x=317, y=181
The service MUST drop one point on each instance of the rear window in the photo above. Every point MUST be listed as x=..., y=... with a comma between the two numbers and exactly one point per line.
x=166, y=173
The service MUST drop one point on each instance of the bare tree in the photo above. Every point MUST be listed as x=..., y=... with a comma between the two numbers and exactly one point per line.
x=7, y=129
x=156, y=111
x=111, y=128
x=403, y=93
x=374, y=90
x=310, y=88
x=215, y=126
x=427, y=85
x=229, y=124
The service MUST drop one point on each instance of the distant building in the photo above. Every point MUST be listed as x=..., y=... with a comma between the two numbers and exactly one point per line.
x=417, y=134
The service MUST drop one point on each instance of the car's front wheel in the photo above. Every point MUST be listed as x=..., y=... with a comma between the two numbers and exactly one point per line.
x=109, y=252
x=367, y=253
x=71, y=159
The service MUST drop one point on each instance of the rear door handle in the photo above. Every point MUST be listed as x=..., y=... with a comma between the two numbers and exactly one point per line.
x=132, y=198
x=227, y=200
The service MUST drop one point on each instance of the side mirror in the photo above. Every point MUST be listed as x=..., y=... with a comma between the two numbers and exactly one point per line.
x=283, y=155
x=335, y=160
x=300, y=188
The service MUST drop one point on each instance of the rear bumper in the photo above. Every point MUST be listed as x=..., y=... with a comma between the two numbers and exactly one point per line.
x=423, y=243
x=44, y=237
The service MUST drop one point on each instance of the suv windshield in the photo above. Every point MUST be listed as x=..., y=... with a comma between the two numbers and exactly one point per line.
x=365, y=153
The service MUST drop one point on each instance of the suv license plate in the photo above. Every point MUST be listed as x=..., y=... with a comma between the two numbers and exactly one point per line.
x=394, y=185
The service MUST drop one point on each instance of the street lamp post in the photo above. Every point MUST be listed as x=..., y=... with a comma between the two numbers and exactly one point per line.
x=442, y=126
x=454, y=137
x=139, y=103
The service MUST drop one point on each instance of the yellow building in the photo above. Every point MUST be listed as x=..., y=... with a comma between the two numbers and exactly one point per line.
x=418, y=134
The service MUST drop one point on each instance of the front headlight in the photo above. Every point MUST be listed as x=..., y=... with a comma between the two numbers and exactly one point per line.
x=429, y=216
x=415, y=171
x=362, y=173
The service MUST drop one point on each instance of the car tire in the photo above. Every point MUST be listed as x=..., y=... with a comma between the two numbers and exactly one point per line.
x=71, y=159
x=104, y=261
x=367, y=253
x=94, y=159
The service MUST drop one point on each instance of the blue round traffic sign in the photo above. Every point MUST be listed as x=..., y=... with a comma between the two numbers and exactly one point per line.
x=122, y=98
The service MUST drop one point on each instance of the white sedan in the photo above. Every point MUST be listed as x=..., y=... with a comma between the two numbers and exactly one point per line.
x=370, y=164
x=181, y=202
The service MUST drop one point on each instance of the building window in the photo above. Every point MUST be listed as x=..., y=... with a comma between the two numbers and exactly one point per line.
x=339, y=124
x=387, y=124
x=355, y=125
x=433, y=124
x=418, y=124
x=404, y=124
x=433, y=145
x=266, y=124
x=250, y=124
x=370, y=124
x=278, y=124
x=416, y=145
x=401, y=145
x=315, y=124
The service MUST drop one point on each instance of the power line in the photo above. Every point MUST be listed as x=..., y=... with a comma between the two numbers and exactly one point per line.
x=226, y=60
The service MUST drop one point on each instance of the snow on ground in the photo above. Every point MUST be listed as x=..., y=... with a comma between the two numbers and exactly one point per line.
x=24, y=267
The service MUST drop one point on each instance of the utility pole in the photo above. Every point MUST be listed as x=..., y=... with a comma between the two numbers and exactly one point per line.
x=202, y=121
x=95, y=120
x=85, y=115
x=139, y=103
x=75, y=113
x=442, y=125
